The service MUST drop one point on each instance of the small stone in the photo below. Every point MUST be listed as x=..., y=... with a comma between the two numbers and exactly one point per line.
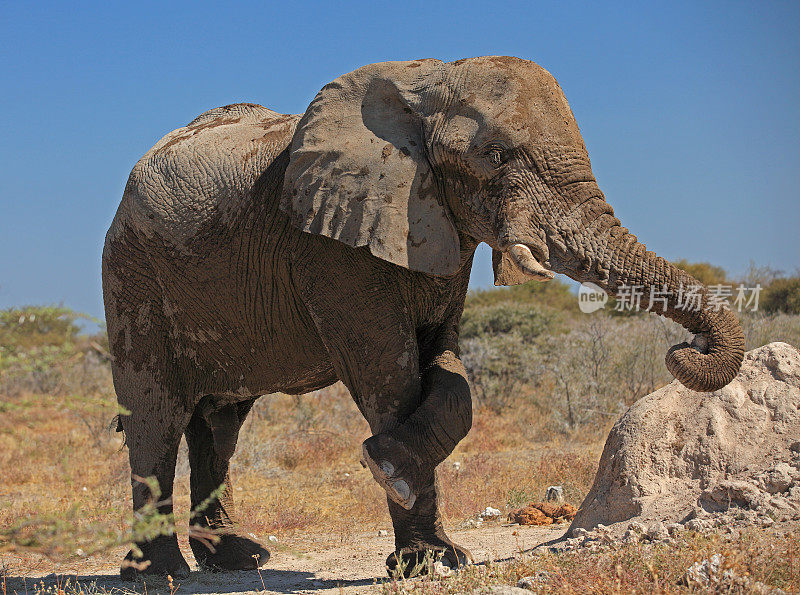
x=675, y=528
x=80, y=552
x=456, y=466
x=607, y=539
x=631, y=536
x=636, y=526
x=532, y=582
x=554, y=494
x=778, y=479
x=601, y=528
x=500, y=590
x=696, y=525
x=580, y=532
x=657, y=531
x=441, y=569
x=272, y=539
x=382, y=533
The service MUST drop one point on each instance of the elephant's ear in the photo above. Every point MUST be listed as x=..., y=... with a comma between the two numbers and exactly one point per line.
x=358, y=170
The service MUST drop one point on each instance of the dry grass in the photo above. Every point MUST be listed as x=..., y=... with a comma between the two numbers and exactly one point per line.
x=754, y=556
x=296, y=470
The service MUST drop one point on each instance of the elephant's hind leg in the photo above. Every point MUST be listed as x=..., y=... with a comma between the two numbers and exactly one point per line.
x=211, y=436
x=153, y=434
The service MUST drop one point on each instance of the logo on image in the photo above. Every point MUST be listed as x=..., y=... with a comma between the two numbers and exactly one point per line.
x=591, y=298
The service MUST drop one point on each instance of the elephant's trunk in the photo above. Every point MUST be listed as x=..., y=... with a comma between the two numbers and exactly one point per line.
x=714, y=357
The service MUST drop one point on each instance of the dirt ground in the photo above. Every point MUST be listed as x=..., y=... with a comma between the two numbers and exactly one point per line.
x=305, y=565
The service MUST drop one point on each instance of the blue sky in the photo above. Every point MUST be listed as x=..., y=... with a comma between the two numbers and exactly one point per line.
x=690, y=111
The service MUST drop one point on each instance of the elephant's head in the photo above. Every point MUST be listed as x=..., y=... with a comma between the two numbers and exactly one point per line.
x=416, y=160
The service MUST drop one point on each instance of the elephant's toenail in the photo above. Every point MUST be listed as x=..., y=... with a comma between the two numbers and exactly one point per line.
x=402, y=489
x=387, y=467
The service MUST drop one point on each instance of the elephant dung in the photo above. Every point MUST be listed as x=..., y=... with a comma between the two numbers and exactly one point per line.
x=543, y=513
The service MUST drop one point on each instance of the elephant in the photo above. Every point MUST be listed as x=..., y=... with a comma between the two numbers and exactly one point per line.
x=255, y=252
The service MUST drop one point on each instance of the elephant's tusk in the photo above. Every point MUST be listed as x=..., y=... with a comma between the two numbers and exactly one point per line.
x=524, y=259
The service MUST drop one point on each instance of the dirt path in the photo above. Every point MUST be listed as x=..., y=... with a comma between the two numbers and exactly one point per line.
x=308, y=566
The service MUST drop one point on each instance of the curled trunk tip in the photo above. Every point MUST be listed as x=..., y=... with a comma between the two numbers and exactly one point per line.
x=713, y=358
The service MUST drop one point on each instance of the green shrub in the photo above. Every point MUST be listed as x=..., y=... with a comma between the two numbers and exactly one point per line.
x=782, y=295
x=42, y=351
x=504, y=318
x=36, y=326
x=555, y=294
x=705, y=272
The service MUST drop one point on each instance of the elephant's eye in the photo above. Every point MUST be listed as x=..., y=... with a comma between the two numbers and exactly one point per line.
x=495, y=156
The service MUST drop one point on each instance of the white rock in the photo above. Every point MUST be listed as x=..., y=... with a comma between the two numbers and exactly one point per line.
x=705, y=573
x=272, y=539
x=657, y=531
x=490, y=513
x=382, y=533
x=554, y=494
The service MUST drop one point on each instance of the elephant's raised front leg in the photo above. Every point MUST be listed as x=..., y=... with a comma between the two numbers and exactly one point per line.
x=403, y=457
x=427, y=436
x=211, y=436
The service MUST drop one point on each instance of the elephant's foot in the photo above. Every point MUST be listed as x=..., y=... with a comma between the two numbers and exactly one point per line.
x=161, y=557
x=232, y=552
x=418, y=557
x=394, y=468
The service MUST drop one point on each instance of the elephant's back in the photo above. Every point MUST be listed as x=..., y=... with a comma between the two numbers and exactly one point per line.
x=204, y=172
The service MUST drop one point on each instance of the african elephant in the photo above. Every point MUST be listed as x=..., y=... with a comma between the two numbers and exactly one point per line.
x=256, y=252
